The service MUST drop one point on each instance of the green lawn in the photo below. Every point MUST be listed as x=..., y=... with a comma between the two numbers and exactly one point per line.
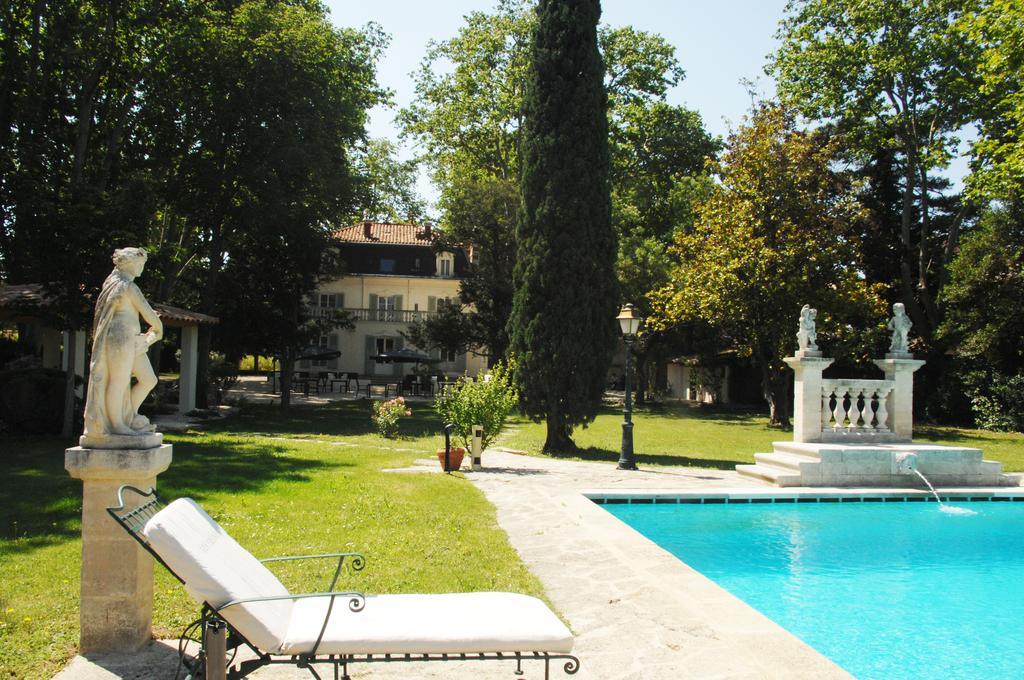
x=716, y=438
x=306, y=484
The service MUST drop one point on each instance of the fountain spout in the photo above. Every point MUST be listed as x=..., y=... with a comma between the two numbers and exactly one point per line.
x=904, y=463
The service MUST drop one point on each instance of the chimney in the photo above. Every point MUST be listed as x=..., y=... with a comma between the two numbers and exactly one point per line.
x=366, y=223
x=427, y=230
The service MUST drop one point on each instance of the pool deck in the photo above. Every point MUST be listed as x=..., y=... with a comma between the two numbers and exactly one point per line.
x=637, y=611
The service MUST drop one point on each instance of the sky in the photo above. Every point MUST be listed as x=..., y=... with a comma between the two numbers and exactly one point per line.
x=719, y=43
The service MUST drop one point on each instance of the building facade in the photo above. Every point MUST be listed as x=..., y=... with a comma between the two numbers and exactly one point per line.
x=395, y=276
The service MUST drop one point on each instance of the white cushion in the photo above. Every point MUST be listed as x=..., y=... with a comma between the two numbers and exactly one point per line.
x=410, y=624
x=217, y=570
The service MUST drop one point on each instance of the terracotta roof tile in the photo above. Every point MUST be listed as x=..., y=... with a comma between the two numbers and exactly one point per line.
x=385, y=232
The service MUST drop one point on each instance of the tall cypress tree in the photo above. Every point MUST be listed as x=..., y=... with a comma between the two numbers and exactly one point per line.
x=562, y=327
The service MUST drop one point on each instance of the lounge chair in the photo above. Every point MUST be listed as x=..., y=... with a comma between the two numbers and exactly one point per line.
x=243, y=603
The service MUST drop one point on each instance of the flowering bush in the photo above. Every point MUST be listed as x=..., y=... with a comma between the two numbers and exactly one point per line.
x=386, y=415
x=486, y=401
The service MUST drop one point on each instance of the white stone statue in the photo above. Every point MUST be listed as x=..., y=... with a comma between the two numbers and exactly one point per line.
x=806, y=335
x=899, y=324
x=119, y=348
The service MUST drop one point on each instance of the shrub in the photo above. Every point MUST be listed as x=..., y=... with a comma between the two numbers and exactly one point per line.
x=387, y=414
x=486, y=401
x=996, y=402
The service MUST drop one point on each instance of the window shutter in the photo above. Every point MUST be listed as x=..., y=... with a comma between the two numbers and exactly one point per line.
x=431, y=304
x=341, y=300
x=460, y=363
x=398, y=303
x=373, y=301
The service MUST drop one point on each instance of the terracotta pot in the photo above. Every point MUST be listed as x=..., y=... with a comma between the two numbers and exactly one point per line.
x=454, y=458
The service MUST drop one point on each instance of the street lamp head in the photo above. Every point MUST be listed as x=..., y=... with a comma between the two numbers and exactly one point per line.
x=629, y=320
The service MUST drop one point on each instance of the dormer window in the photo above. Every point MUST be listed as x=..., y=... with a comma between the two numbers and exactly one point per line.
x=445, y=265
x=387, y=265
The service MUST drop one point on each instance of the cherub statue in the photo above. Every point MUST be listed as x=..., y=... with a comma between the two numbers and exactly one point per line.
x=806, y=335
x=119, y=352
x=899, y=324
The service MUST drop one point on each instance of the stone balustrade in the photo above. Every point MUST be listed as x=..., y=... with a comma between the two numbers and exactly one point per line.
x=852, y=410
x=855, y=408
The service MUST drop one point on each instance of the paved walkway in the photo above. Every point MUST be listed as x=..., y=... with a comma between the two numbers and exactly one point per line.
x=638, y=613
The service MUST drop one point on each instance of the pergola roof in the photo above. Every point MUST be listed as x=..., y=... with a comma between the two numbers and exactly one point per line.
x=22, y=299
x=176, y=316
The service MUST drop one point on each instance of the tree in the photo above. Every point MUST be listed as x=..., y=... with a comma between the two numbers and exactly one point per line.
x=468, y=120
x=658, y=173
x=274, y=106
x=778, y=231
x=75, y=178
x=997, y=32
x=562, y=327
x=889, y=76
x=385, y=185
x=985, y=318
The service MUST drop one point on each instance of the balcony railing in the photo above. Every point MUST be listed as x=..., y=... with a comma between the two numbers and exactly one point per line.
x=384, y=315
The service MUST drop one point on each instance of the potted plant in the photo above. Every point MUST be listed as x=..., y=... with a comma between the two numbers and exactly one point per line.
x=455, y=456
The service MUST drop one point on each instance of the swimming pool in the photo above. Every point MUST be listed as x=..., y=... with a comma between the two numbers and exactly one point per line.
x=886, y=589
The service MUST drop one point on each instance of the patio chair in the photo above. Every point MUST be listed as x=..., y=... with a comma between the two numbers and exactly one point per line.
x=339, y=378
x=244, y=604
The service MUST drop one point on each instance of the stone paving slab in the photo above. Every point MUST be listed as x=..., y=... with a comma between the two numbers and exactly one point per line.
x=638, y=613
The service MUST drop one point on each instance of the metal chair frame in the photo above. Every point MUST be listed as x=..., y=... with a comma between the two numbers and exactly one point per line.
x=218, y=637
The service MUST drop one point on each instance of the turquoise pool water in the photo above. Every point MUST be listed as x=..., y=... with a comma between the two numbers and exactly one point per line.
x=886, y=590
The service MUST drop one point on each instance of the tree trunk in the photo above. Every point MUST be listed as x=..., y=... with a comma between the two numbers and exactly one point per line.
x=287, y=364
x=67, y=429
x=775, y=389
x=907, y=285
x=640, y=365
x=559, y=437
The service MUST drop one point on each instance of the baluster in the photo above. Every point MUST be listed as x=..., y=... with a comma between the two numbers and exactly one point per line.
x=883, y=411
x=851, y=411
x=867, y=413
x=826, y=413
x=837, y=412
x=869, y=406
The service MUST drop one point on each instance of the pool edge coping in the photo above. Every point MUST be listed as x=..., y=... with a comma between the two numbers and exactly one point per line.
x=798, y=494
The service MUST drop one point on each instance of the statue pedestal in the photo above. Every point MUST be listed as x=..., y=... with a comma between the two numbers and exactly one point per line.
x=899, y=367
x=808, y=366
x=116, y=608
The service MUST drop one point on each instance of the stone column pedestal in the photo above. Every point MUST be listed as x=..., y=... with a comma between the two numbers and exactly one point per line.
x=117, y=574
x=808, y=366
x=899, y=368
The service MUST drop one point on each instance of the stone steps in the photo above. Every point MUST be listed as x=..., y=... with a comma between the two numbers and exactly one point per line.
x=766, y=472
x=785, y=460
x=830, y=464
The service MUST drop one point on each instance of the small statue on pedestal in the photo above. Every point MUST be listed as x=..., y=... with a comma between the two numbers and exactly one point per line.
x=119, y=349
x=807, y=335
x=900, y=325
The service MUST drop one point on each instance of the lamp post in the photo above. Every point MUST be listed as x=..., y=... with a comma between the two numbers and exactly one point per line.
x=629, y=322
